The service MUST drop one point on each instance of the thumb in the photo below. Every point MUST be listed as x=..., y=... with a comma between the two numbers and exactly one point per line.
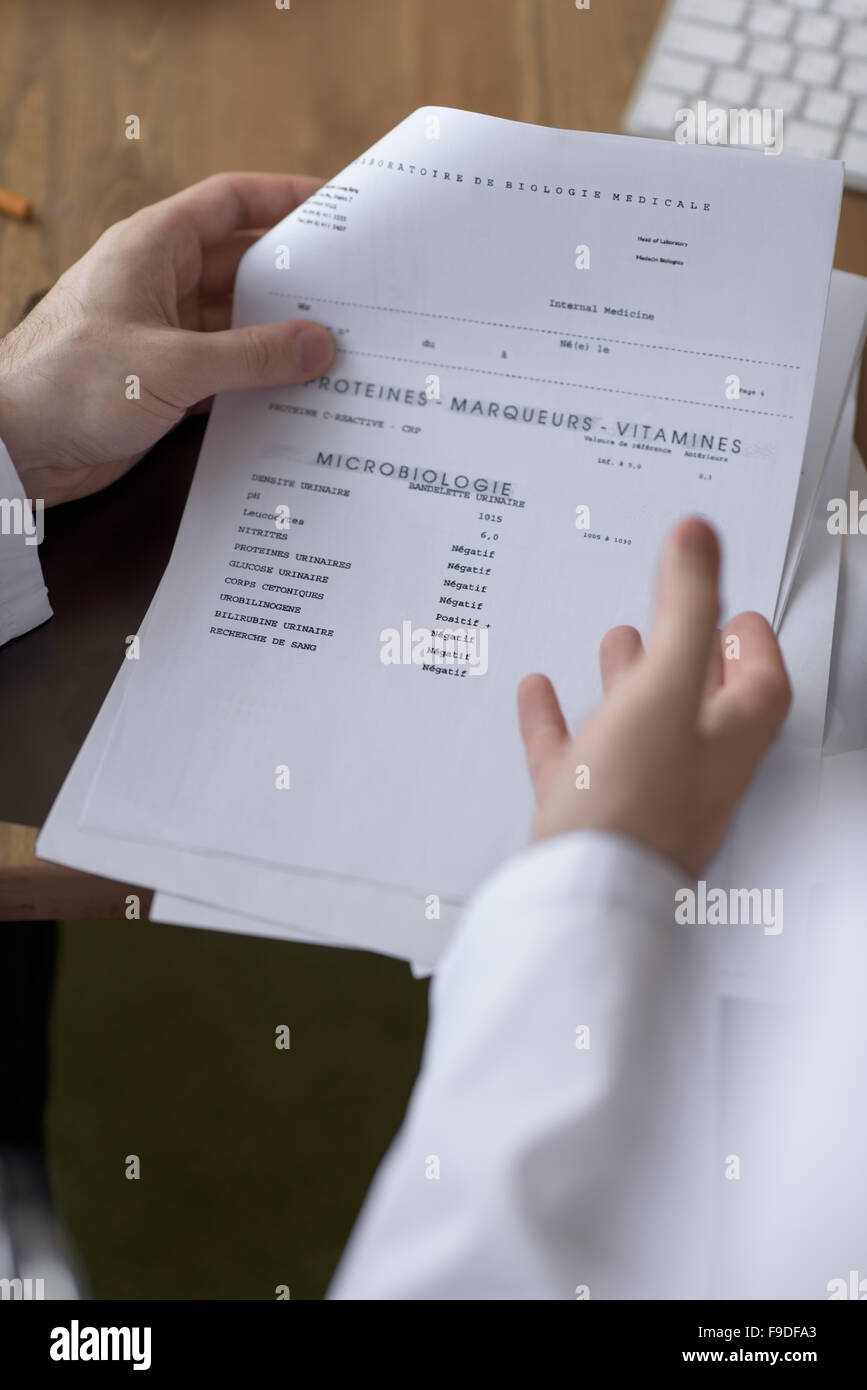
x=234, y=359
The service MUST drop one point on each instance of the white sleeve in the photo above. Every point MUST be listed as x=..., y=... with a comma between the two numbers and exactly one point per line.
x=559, y=1142
x=23, y=596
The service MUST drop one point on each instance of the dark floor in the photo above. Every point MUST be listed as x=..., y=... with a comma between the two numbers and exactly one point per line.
x=254, y=1160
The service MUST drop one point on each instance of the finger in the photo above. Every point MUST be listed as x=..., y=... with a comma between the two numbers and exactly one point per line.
x=755, y=695
x=687, y=606
x=265, y=354
x=621, y=648
x=227, y=203
x=714, y=678
x=543, y=729
x=220, y=264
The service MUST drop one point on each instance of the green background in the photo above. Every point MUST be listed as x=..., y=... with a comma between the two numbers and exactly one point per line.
x=254, y=1161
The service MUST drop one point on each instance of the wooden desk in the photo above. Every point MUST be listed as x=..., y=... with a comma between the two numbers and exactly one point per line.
x=223, y=85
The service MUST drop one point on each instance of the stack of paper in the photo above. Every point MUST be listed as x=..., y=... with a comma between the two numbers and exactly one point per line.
x=552, y=346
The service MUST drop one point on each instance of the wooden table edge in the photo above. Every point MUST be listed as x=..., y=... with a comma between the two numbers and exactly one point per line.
x=34, y=890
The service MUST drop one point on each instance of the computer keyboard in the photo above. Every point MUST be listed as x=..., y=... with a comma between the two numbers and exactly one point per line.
x=807, y=58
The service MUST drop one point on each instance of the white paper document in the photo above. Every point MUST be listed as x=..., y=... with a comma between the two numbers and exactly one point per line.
x=839, y=367
x=778, y=815
x=552, y=346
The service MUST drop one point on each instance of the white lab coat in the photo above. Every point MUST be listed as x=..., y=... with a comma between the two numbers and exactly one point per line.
x=559, y=1141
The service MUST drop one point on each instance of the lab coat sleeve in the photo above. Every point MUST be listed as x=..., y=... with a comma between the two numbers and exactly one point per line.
x=23, y=596
x=559, y=1140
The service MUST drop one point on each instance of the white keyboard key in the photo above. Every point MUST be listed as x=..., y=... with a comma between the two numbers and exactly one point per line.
x=819, y=69
x=727, y=12
x=828, y=108
x=854, y=79
x=778, y=93
x=770, y=59
x=817, y=31
x=733, y=86
x=854, y=43
x=703, y=41
x=849, y=9
x=854, y=156
x=859, y=117
x=817, y=141
x=769, y=21
x=677, y=74
x=654, y=113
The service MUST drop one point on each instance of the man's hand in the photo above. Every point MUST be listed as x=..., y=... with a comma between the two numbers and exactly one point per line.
x=683, y=726
x=152, y=298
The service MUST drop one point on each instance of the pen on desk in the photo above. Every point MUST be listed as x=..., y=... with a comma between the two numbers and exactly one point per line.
x=14, y=204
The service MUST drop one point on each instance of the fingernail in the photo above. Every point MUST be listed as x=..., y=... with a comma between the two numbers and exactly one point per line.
x=312, y=348
x=698, y=539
